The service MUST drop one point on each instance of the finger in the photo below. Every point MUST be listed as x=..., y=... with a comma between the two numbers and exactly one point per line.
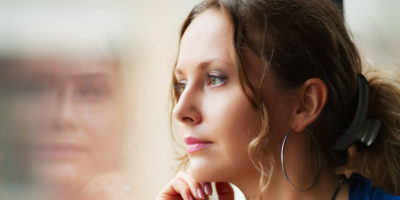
x=207, y=188
x=195, y=187
x=183, y=189
x=176, y=189
x=224, y=191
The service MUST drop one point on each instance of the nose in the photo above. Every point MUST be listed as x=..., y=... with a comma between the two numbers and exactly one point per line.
x=187, y=109
x=65, y=114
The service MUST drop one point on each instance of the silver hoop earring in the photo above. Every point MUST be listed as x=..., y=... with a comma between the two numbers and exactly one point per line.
x=283, y=161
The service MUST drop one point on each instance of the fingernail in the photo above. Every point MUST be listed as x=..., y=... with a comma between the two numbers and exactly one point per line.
x=223, y=188
x=208, y=189
x=200, y=193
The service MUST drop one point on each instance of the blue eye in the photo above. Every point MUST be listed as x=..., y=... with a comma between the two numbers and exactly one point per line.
x=34, y=89
x=215, y=80
x=180, y=87
x=92, y=91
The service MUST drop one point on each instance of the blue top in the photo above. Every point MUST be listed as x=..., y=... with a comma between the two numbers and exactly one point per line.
x=361, y=189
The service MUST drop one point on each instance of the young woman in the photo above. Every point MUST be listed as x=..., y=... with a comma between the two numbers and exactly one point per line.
x=270, y=96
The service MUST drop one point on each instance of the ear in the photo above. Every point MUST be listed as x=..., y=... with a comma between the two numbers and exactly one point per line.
x=311, y=99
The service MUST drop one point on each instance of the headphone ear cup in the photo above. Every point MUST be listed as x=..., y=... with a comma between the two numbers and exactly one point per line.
x=362, y=130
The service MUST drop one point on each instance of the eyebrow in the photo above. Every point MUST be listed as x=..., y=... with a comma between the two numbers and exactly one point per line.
x=178, y=71
x=204, y=64
x=92, y=77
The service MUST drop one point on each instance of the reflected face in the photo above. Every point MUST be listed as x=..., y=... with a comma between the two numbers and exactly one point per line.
x=70, y=111
x=214, y=114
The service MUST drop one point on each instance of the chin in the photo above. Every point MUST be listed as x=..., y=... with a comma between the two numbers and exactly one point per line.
x=204, y=170
x=61, y=175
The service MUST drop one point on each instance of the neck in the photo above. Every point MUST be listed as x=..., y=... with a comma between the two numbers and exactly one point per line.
x=279, y=188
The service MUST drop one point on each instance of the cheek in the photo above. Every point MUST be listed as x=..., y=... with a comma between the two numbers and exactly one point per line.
x=30, y=120
x=27, y=110
x=279, y=113
x=103, y=124
x=232, y=124
x=242, y=124
x=234, y=120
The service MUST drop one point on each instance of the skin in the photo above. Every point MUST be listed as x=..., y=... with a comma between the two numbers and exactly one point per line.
x=213, y=107
x=212, y=93
x=70, y=115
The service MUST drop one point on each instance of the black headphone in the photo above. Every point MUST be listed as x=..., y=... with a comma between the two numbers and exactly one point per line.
x=362, y=130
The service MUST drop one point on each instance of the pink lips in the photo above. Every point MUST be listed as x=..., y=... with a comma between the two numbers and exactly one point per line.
x=58, y=151
x=194, y=144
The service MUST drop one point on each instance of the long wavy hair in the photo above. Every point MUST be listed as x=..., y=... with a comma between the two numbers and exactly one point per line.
x=302, y=39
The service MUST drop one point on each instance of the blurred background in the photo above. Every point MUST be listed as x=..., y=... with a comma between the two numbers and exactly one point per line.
x=375, y=27
x=84, y=85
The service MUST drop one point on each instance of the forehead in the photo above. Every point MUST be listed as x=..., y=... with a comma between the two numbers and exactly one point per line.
x=208, y=37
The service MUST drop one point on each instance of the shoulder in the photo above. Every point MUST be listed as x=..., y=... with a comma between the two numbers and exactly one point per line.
x=362, y=189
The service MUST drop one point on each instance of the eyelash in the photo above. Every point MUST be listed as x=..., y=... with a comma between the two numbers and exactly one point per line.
x=179, y=87
x=211, y=77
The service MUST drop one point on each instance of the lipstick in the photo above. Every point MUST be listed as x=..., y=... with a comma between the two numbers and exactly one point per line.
x=58, y=151
x=194, y=144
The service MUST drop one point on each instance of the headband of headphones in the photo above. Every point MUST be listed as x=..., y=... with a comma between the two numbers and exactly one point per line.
x=362, y=130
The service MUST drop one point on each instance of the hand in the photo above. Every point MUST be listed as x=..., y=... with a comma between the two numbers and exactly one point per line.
x=184, y=187
x=106, y=187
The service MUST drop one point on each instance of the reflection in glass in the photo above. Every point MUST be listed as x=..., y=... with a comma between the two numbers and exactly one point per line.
x=61, y=109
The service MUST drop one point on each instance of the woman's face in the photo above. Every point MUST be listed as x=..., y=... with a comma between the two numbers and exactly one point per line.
x=214, y=114
x=70, y=113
